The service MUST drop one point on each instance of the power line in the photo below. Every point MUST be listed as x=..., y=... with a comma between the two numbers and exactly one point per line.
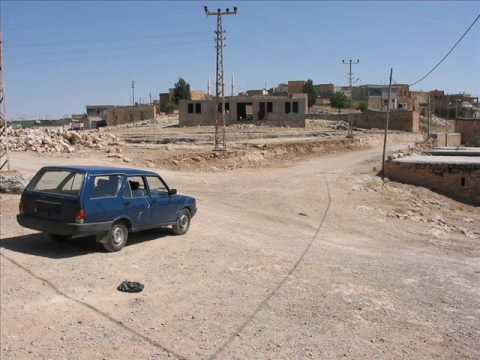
x=448, y=53
x=169, y=36
x=79, y=56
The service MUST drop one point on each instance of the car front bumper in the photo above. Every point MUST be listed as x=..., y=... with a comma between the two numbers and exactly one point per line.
x=61, y=228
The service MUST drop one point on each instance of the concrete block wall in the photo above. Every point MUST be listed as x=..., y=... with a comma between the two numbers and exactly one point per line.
x=458, y=181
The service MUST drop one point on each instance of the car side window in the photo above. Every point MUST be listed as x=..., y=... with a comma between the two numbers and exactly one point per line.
x=137, y=186
x=106, y=186
x=156, y=186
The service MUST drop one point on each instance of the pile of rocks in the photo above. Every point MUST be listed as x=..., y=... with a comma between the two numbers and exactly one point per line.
x=48, y=140
x=12, y=182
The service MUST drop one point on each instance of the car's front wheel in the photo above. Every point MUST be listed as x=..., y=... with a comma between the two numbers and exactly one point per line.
x=116, y=238
x=182, y=223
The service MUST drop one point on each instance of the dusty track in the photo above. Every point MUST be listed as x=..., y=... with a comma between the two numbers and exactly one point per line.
x=372, y=287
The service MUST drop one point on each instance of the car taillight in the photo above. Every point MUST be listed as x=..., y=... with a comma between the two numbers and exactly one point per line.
x=21, y=208
x=80, y=217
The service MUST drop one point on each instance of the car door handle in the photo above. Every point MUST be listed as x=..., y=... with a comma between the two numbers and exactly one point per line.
x=126, y=203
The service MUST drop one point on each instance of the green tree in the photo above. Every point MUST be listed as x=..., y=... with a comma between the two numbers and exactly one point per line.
x=362, y=106
x=170, y=108
x=181, y=91
x=339, y=100
x=309, y=89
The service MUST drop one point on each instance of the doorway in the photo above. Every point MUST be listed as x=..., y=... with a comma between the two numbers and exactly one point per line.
x=244, y=112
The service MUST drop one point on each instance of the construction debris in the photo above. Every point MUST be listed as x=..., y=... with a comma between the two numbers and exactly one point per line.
x=60, y=140
x=417, y=204
x=12, y=183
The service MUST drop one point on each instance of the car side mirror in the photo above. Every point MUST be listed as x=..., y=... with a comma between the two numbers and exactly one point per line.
x=172, y=191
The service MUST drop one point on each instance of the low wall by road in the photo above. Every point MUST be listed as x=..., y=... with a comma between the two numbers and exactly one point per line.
x=458, y=178
x=447, y=139
x=399, y=120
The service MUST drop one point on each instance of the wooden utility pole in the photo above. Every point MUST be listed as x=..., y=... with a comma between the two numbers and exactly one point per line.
x=387, y=122
x=429, y=117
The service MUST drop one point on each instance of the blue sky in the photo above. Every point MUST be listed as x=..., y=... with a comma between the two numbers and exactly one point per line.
x=63, y=55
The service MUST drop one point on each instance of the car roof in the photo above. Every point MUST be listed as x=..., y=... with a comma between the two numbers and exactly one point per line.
x=96, y=170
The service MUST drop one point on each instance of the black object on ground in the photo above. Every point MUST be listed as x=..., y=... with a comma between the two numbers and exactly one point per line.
x=130, y=287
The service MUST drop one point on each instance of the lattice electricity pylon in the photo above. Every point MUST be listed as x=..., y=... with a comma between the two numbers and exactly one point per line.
x=220, y=131
x=4, y=153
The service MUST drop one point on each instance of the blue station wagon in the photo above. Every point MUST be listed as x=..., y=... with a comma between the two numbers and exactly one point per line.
x=107, y=202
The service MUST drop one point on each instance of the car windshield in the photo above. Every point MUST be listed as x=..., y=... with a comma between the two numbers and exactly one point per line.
x=63, y=182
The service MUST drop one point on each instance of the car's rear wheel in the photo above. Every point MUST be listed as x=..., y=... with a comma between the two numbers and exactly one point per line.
x=58, y=238
x=116, y=238
x=182, y=223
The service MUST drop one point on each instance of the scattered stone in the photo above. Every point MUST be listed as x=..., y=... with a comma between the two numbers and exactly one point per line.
x=12, y=183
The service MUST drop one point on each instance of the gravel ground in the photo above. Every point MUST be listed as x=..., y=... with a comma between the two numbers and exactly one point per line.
x=297, y=262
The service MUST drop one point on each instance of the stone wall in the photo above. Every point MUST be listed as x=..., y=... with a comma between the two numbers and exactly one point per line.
x=469, y=128
x=458, y=181
x=399, y=120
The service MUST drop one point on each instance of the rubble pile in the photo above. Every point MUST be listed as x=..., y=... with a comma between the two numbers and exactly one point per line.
x=12, y=182
x=60, y=140
x=417, y=204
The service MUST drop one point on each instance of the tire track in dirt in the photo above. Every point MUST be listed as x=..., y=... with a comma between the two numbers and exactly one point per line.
x=103, y=314
x=274, y=291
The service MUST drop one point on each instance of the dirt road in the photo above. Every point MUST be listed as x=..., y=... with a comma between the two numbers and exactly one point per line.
x=293, y=262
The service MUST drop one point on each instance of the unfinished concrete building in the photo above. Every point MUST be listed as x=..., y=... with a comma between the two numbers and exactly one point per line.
x=97, y=115
x=296, y=86
x=452, y=106
x=266, y=110
x=469, y=130
x=130, y=114
x=376, y=96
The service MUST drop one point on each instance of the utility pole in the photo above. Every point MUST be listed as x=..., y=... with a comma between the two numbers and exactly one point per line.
x=133, y=92
x=233, y=86
x=208, y=86
x=429, y=117
x=150, y=95
x=4, y=153
x=386, y=125
x=220, y=143
x=350, y=62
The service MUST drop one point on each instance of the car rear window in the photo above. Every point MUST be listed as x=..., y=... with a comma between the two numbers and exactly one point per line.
x=106, y=186
x=59, y=182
